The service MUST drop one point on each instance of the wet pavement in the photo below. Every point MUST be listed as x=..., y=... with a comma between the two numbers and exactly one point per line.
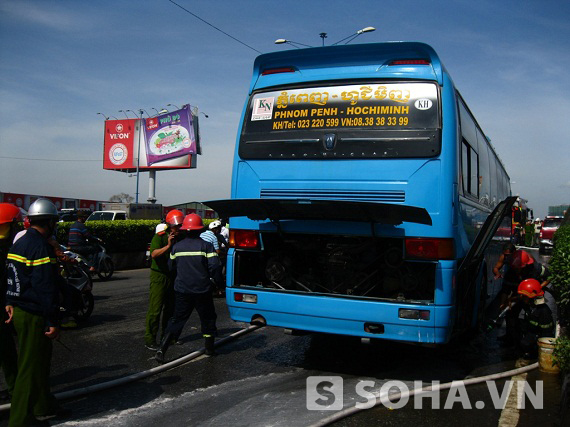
x=261, y=378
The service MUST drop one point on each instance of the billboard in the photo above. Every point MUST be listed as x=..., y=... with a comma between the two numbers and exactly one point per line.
x=167, y=141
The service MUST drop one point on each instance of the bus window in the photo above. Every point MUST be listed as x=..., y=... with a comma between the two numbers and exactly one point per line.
x=368, y=120
x=470, y=170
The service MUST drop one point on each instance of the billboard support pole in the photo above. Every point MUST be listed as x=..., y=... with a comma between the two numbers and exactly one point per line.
x=139, y=155
x=151, y=186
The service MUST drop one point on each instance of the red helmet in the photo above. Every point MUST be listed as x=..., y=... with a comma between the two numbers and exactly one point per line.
x=174, y=217
x=521, y=259
x=192, y=222
x=530, y=288
x=9, y=213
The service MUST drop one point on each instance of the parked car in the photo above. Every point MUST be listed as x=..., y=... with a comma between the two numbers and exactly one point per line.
x=107, y=216
x=70, y=215
x=549, y=227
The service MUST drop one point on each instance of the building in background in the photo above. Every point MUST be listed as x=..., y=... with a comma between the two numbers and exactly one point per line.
x=25, y=200
x=557, y=210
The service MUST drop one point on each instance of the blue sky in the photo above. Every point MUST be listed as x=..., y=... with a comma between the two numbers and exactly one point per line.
x=62, y=62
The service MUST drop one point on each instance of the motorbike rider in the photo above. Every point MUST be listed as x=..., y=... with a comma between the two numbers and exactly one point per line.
x=79, y=237
x=32, y=304
x=194, y=261
x=161, y=292
x=9, y=217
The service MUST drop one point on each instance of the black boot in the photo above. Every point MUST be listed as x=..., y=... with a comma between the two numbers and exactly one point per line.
x=164, y=344
x=209, y=344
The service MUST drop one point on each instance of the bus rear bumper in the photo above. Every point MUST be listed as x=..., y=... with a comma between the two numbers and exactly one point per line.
x=343, y=316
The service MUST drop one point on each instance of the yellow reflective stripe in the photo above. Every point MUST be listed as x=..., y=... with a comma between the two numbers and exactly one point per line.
x=18, y=258
x=31, y=262
x=204, y=254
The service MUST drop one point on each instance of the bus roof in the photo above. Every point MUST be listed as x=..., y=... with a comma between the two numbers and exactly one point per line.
x=358, y=61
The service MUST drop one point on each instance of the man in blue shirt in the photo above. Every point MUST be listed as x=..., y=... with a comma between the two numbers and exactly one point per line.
x=78, y=240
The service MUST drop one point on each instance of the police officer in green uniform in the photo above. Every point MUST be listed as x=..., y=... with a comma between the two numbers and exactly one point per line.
x=9, y=216
x=161, y=292
x=32, y=304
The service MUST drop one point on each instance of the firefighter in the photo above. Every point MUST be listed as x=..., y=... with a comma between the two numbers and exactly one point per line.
x=32, y=304
x=538, y=321
x=194, y=261
x=9, y=217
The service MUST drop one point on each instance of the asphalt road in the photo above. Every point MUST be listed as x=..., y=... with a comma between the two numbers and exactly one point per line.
x=258, y=380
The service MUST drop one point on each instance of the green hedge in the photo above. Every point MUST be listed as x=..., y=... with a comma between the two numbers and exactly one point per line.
x=119, y=236
x=560, y=269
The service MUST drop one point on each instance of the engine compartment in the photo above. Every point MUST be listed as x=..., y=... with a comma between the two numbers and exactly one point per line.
x=357, y=266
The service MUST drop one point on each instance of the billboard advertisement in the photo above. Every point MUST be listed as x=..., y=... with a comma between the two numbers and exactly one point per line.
x=167, y=141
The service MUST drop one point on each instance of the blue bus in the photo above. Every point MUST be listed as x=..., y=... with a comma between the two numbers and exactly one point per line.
x=364, y=196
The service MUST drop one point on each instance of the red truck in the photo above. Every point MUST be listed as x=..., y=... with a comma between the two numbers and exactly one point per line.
x=549, y=227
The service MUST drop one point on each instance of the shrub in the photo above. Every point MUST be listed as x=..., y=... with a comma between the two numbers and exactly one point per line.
x=131, y=235
x=560, y=272
x=562, y=354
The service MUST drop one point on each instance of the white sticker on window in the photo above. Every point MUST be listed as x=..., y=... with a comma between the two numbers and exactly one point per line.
x=423, y=104
x=262, y=109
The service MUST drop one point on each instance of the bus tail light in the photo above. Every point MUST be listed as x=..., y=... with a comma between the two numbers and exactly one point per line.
x=278, y=71
x=244, y=239
x=405, y=313
x=241, y=297
x=410, y=62
x=423, y=248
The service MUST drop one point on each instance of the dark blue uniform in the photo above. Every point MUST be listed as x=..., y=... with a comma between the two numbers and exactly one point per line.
x=33, y=291
x=194, y=262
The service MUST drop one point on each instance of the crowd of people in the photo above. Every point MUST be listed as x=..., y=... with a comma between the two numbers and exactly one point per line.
x=185, y=274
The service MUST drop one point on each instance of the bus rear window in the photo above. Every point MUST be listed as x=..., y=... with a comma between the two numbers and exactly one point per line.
x=346, y=121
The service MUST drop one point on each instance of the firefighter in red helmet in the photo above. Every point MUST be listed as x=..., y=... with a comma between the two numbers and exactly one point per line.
x=161, y=293
x=194, y=262
x=9, y=217
x=538, y=321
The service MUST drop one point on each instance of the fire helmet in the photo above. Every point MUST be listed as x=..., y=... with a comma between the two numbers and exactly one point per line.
x=174, y=217
x=521, y=259
x=42, y=209
x=215, y=224
x=192, y=222
x=9, y=214
x=530, y=288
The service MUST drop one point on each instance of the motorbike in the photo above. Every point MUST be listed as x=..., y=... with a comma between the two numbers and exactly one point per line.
x=77, y=295
x=103, y=262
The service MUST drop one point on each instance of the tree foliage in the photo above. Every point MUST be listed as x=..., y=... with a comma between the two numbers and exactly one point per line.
x=121, y=198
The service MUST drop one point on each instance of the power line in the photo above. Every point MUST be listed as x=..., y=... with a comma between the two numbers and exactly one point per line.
x=213, y=26
x=50, y=160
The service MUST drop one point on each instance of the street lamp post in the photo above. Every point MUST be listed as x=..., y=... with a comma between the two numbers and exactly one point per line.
x=323, y=36
x=355, y=35
x=292, y=43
